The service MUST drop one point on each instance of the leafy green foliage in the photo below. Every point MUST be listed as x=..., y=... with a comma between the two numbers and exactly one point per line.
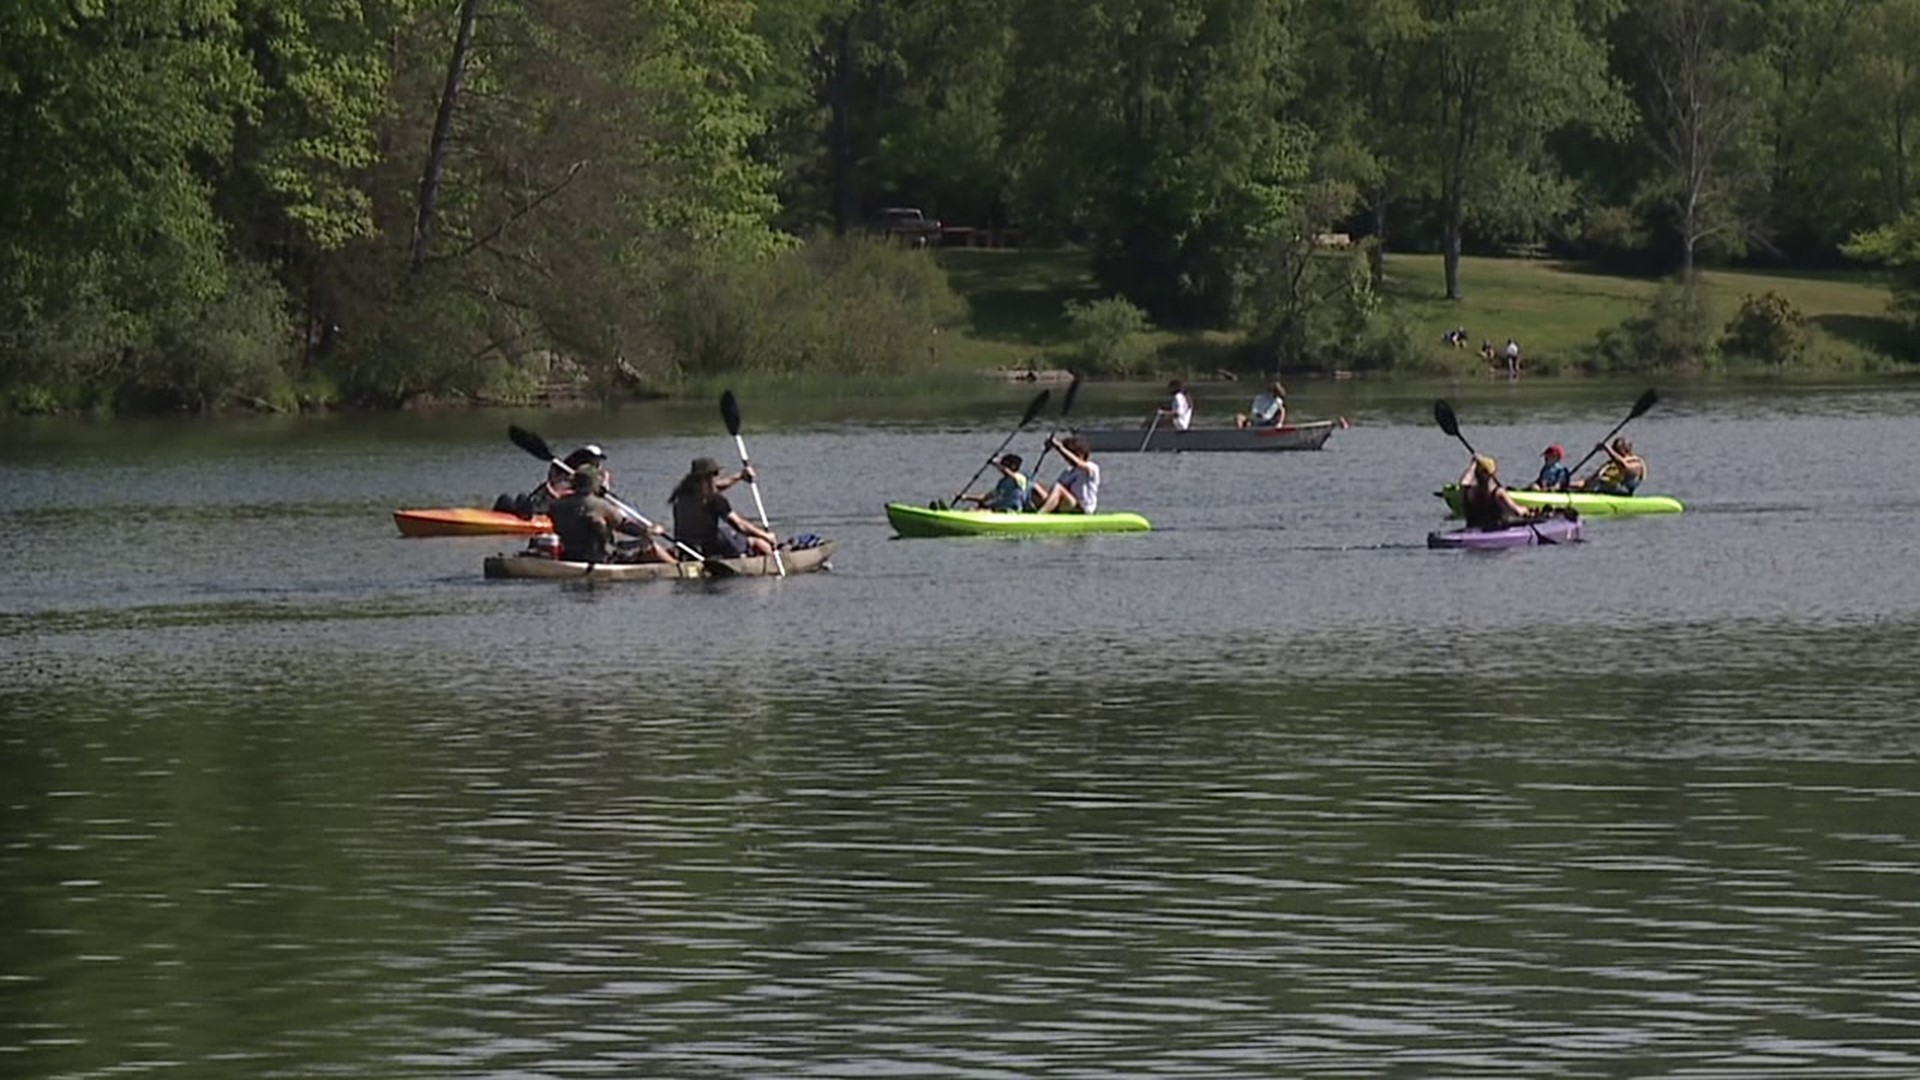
x=1767, y=328
x=850, y=305
x=1675, y=333
x=1109, y=337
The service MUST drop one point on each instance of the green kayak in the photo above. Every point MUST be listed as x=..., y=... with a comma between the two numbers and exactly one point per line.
x=1587, y=503
x=923, y=521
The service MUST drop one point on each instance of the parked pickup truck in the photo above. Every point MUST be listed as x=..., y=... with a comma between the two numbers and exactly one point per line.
x=908, y=224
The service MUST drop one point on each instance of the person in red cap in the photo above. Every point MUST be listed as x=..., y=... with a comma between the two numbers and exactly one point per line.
x=1553, y=475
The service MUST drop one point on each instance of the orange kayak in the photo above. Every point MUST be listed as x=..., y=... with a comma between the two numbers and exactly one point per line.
x=468, y=521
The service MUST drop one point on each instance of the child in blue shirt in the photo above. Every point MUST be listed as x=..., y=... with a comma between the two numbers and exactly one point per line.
x=1009, y=496
x=1553, y=475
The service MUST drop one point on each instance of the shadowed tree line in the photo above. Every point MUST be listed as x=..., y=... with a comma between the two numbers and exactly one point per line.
x=206, y=203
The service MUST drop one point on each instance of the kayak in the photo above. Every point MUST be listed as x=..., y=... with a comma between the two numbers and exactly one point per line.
x=468, y=521
x=924, y=521
x=1553, y=530
x=1137, y=440
x=528, y=564
x=1586, y=502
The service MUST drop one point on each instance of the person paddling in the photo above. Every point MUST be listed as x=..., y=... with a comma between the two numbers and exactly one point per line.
x=1622, y=473
x=1483, y=501
x=558, y=484
x=1179, y=407
x=1077, y=489
x=1269, y=409
x=704, y=520
x=587, y=523
x=1009, y=496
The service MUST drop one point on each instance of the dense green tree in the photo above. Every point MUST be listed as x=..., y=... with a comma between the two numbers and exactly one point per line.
x=1154, y=128
x=1486, y=83
x=1704, y=113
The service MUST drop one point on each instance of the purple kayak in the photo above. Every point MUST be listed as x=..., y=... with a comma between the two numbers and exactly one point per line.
x=1553, y=530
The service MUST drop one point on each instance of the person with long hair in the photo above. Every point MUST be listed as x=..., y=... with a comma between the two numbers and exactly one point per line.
x=705, y=521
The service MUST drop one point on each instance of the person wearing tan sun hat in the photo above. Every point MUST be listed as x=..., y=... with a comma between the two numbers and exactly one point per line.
x=1483, y=501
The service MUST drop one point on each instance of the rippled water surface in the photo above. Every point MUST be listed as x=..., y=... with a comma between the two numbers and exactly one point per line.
x=1270, y=791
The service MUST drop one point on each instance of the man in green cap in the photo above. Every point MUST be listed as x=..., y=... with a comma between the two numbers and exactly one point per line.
x=587, y=522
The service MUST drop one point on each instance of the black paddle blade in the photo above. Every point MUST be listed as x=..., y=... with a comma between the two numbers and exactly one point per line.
x=1073, y=391
x=530, y=442
x=1443, y=415
x=1033, y=407
x=730, y=411
x=1646, y=402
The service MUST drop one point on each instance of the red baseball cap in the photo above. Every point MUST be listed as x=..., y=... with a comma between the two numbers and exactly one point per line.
x=1553, y=451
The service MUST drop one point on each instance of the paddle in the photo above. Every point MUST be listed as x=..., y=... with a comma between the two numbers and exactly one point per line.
x=1449, y=423
x=1641, y=406
x=730, y=411
x=1066, y=406
x=1150, y=430
x=533, y=444
x=1033, y=409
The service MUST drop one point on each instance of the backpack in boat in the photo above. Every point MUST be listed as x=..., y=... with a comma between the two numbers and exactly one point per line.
x=802, y=542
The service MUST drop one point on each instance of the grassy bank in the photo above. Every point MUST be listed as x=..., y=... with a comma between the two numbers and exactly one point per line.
x=1551, y=308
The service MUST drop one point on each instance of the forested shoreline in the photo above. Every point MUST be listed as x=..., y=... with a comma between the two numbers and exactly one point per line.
x=294, y=203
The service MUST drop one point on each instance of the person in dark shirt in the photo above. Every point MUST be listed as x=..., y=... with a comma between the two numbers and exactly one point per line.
x=1483, y=502
x=558, y=484
x=588, y=523
x=705, y=521
x=1553, y=475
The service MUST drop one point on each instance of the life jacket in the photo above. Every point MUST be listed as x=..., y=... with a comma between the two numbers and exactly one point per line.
x=582, y=528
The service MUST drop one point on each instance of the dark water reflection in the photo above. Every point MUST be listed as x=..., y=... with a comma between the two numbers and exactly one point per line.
x=1270, y=792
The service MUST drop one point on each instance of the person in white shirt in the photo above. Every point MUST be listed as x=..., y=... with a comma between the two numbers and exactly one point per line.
x=1077, y=491
x=1513, y=358
x=1179, y=410
x=1269, y=409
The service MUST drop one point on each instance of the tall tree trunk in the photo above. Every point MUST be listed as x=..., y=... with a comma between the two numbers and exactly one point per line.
x=442, y=128
x=841, y=163
x=1377, y=251
x=1455, y=212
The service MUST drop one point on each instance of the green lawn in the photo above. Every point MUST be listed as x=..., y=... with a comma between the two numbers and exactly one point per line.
x=1552, y=308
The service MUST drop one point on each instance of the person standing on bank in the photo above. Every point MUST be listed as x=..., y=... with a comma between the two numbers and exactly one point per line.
x=587, y=522
x=705, y=521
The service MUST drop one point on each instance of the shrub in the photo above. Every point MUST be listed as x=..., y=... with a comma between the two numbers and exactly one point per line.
x=230, y=349
x=846, y=305
x=1674, y=332
x=1768, y=329
x=1109, y=336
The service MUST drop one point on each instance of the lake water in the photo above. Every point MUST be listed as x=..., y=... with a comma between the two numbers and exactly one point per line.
x=1272, y=791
